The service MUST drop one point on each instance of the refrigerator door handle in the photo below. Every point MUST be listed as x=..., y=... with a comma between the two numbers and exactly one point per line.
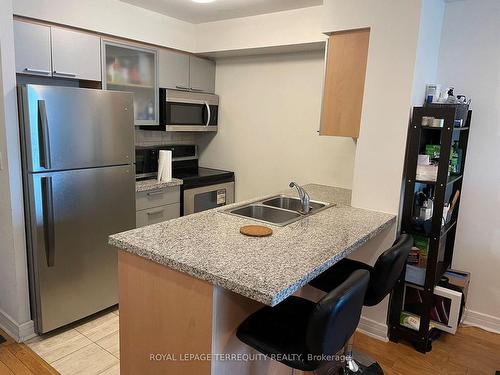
x=43, y=131
x=48, y=220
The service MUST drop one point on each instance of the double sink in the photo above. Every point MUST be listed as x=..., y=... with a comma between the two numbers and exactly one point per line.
x=279, y=210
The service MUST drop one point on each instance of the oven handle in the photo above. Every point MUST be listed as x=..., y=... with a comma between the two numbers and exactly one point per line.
x=209, y=114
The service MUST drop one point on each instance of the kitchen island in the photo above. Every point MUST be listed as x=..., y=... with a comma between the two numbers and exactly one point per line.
x=187, y=283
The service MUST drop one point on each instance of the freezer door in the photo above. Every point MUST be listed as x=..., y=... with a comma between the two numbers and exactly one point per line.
x=72, y=213
x=72, y=128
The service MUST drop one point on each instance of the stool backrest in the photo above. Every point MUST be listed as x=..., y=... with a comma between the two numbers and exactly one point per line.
x=387, y=270
x=336, y=317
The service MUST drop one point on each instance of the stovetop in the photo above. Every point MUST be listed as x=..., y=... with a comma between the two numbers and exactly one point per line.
x=197, y=177
x=184, y=166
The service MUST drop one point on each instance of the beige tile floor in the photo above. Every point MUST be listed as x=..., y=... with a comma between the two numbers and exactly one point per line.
x=89, y=348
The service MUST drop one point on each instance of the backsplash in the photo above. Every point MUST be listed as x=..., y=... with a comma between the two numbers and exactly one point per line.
x=148, y=138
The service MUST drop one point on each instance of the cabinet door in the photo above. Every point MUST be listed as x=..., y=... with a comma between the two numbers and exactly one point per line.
x=133, y=69
x=157, y=197
x=157, y=214
x=173, y=69
x=344, y=84
x=76, y=55
x=201, y=74
x=32, y=46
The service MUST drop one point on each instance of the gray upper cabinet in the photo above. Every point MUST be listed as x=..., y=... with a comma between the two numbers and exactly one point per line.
x=32, y=46
x=184, y=72
x=201, y=74
x=173, y=70
x=56, y=52
x=76, y=55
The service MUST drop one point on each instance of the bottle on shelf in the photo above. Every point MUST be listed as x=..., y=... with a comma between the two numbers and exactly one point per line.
x=151, y=111
x=116, y=78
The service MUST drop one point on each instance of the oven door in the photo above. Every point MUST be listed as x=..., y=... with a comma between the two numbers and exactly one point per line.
x=183, y=111
x=208, y=197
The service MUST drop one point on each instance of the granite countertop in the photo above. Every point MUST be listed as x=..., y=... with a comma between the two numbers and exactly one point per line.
x=153, y=184
x=208, y=245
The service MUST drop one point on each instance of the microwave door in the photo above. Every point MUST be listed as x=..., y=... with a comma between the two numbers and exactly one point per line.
x=189, y=116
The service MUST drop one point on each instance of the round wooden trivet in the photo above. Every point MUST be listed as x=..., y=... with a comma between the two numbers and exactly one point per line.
x=256, y=231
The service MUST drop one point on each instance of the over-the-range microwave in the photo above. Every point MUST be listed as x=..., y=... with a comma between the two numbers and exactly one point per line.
x=187, y=111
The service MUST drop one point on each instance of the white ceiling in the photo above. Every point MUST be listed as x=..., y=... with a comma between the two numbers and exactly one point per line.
x=192, y=12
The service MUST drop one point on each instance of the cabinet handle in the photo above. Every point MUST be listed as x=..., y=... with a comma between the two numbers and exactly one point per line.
x=156, y=192
x=181, y=88
x=37, y=71
x=156, y=212
x=195, y=89
x=64, y=74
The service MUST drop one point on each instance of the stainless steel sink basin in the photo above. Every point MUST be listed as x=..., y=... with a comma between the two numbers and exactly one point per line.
x=279, y=210
x=290, y=203
x=265, y=213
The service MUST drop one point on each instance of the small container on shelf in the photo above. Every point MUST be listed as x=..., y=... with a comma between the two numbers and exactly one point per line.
x=427, y=172
x=415, y=274
x=423, y=226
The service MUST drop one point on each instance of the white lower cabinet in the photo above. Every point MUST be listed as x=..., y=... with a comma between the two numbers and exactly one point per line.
x=157, y=205
x=157, y=214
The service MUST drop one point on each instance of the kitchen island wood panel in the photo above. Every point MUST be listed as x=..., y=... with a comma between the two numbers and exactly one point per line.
x=164, y=314
x=186, y=284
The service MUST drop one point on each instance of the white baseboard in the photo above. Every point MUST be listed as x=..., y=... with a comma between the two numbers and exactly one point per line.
x=19, y=332
x=484, y=321
x=373, y=329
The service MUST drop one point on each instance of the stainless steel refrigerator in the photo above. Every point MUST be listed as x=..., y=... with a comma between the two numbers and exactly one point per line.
x=79, y=181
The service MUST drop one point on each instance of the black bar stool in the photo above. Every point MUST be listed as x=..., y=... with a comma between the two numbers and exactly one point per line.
x=305, y=335
x=383, y=277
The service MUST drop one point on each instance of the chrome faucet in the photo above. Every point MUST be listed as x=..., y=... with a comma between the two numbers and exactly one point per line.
x=304, y=198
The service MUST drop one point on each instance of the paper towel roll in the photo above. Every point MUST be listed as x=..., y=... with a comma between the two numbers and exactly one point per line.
x=165, y=166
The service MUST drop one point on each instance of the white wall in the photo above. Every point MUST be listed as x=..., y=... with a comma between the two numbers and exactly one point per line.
x=128, y=21
x=387, y=101
x=388, y=93
x=470, y=61
x=14, y=302
x=265, y=30
x=269, y=117
x=426, y=65
x=112, y=17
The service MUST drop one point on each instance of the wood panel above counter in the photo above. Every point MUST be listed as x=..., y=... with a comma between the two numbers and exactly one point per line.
x=345, y=70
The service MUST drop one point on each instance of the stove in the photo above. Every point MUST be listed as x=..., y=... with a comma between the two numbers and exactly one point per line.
x=202, y=188
x=203, y=177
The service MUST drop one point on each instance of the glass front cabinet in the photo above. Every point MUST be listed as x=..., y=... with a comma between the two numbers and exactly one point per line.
x=133, y=69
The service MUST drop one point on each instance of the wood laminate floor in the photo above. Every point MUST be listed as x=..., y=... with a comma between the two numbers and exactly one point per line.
x=88, y=347
x=17, y=358
x=471, y=351
x=79, y=350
